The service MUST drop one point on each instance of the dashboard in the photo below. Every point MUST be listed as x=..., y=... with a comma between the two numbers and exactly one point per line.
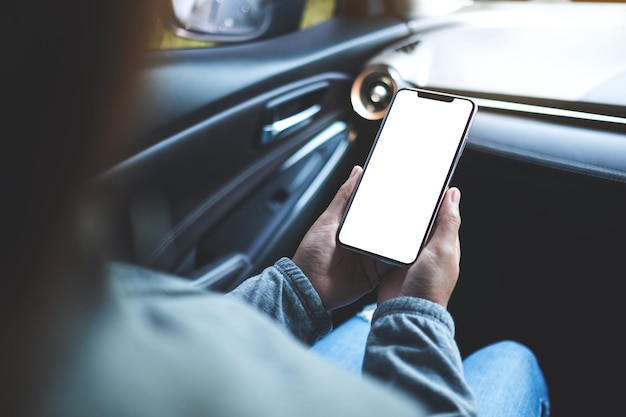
x=549, y=80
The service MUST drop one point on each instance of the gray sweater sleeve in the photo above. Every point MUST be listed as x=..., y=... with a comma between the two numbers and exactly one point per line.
x=285, y=294
x=411, y=346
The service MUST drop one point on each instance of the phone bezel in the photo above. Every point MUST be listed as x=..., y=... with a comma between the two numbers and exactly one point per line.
x=432, y=95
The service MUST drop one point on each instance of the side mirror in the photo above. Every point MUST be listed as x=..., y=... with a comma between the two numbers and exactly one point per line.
x=233, y=20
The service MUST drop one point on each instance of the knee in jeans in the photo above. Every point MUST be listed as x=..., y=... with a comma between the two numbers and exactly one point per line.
x=513, y=349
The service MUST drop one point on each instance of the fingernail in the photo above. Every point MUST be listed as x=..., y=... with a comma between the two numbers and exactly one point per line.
x=455, y=196
x=353, y=172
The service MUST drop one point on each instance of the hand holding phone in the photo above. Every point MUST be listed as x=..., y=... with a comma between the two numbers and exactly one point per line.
x=341, y=276
x=433, y=276
x=418, y=145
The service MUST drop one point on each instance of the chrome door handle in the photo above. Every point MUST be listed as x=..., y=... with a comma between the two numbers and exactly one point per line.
x=273, y=130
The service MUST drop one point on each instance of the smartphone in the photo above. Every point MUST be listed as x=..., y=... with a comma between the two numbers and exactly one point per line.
x=406, y=174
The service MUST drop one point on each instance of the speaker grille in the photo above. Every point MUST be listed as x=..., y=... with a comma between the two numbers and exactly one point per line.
x=373, y=90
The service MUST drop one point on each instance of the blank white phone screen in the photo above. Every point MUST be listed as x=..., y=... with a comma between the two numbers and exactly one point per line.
x=405, y=176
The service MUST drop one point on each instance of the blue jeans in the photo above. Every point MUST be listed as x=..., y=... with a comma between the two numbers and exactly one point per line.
x=505, y=377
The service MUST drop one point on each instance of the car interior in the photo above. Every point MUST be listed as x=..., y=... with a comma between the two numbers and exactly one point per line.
x=240, y=145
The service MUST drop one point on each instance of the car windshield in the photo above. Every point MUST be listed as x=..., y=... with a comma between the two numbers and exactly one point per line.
x=534, y=51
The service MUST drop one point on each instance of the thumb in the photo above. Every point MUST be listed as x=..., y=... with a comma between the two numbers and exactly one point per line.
x=448, y=220
x=338, y=206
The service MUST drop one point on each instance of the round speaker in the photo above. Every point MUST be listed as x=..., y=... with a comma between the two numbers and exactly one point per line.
x=373, y=90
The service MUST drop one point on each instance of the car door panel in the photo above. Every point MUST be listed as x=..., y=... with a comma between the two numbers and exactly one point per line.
x=198, y=175
x=267, y=224
x=184, y=87
x=264, y=148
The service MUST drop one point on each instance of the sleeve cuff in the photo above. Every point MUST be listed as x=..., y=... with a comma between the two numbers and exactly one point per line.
x=309, y=298
x=417, y=307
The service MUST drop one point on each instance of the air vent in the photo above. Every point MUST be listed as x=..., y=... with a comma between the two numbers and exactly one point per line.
x=373, y=90
x=408, y=48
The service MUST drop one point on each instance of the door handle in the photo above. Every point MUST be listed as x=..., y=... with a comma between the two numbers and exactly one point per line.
x=273, y=130
x=291, y=110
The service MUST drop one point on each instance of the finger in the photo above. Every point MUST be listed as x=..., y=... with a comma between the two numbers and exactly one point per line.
x=339, y=203
x=448, y=220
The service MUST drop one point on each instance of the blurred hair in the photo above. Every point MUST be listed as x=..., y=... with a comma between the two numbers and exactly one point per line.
x=69, y=68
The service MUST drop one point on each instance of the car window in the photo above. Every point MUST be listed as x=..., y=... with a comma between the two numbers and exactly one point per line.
x=315, y=12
